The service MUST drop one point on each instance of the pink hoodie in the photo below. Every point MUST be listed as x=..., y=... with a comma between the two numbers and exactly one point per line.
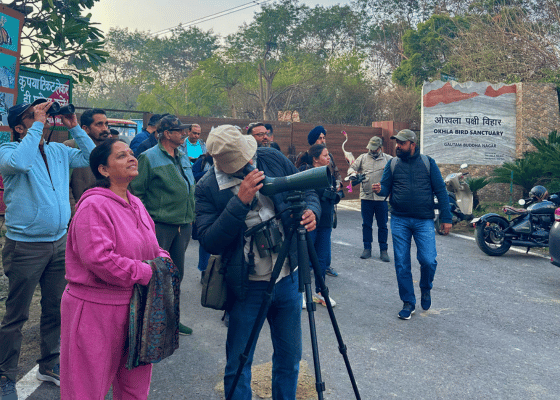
x=108, y=240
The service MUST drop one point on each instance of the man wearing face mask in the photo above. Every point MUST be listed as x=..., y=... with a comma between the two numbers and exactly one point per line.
x=412, y=179
x=371, y=164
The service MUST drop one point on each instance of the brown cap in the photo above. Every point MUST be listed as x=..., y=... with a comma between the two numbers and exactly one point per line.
x=230, y=149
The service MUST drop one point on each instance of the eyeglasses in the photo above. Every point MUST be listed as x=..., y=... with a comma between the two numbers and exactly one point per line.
x=260, y=135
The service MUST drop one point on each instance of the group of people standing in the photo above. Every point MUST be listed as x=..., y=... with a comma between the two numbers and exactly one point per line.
x=132, y=207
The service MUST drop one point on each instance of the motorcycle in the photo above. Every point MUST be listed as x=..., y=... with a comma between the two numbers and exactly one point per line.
x=460, y=199
x=529, y=228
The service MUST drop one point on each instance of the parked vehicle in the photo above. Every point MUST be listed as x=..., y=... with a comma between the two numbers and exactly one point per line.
x=554, y=239
x=529, y=228
x=460, y=199
x=127, y=128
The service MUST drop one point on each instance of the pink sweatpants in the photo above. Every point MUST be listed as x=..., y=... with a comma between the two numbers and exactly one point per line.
x=93, y=353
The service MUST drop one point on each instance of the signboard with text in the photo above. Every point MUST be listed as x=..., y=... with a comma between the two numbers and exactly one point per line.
x=11, y=23
x=471, y=122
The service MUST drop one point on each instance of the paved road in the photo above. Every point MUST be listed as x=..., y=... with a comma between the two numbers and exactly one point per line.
x=492, y=332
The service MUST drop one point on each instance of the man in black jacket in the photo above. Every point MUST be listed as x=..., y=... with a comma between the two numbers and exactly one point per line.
x=412, y=179
x=227, y=204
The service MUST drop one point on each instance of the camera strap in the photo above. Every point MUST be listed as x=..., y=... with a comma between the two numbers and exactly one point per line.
x=251, y=256
x=52, y=130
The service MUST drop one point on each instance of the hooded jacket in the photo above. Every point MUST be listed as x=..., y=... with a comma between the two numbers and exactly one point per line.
x=108, y=241
x=37, y=206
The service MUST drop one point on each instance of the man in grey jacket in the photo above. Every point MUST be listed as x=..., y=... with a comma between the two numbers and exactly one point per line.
x=371, y=164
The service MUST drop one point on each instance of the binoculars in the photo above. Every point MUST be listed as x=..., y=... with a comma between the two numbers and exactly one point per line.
x=56, y=109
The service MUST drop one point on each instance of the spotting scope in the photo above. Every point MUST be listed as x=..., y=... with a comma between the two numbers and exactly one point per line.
x=314, y=178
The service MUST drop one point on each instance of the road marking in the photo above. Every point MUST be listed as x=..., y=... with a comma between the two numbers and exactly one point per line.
x=343, y=243
x=512, y=248
x=28, y=384
x=348, y=207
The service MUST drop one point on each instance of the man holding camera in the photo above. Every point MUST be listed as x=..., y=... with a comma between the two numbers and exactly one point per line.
x=36, y=175
x=227, y=204
x=371, y=164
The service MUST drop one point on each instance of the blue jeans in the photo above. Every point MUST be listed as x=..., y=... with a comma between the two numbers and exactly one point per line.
x=322, y=240
x=284, y=319
x=380, y=210
x=203, y=257
x=403, y=229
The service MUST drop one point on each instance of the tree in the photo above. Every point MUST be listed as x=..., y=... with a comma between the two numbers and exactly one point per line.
x=268, y=43
x=511, y=46
x=57, y=35
x=426, y=49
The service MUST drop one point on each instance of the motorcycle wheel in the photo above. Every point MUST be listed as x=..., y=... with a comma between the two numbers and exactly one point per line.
x=437, y=225
x=490, y=237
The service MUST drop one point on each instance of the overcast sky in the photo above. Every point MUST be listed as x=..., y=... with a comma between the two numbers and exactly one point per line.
x=158, y=15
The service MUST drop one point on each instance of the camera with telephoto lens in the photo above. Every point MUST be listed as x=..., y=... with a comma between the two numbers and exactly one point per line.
x=57, y=109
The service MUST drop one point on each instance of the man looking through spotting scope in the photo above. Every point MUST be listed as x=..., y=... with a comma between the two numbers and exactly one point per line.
x=227, y=204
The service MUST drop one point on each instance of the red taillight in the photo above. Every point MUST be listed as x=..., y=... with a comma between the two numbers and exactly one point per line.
x=557, y=214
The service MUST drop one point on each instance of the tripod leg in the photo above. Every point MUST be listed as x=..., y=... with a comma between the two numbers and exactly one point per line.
x=325, y=293
x=305, y=281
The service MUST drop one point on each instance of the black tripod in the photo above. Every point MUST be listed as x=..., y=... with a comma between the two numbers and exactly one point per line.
x=306, y=251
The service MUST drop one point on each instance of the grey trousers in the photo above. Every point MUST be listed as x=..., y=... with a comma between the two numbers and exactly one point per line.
x=27, y=264
x=175, y=239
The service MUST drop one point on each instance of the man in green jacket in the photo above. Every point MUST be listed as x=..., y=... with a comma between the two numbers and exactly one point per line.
x=165, y=184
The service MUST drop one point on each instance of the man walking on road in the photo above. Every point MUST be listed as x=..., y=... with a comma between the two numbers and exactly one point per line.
x=371, y=164
x=36, y=176
x=412, y=179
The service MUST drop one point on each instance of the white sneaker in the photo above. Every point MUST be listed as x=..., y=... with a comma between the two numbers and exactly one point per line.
x=303, y=304
x=318, y=298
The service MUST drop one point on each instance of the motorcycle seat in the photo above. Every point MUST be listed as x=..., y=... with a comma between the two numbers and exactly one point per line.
x=508, y=210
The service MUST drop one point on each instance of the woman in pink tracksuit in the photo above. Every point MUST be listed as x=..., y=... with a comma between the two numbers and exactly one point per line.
x=108, y=239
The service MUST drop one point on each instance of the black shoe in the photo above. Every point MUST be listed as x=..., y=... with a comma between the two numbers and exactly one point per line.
x=8, y=388
x=426, y=300
x=384, y=256
x=407, y=311
x=366, y=254
x=202, y=277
